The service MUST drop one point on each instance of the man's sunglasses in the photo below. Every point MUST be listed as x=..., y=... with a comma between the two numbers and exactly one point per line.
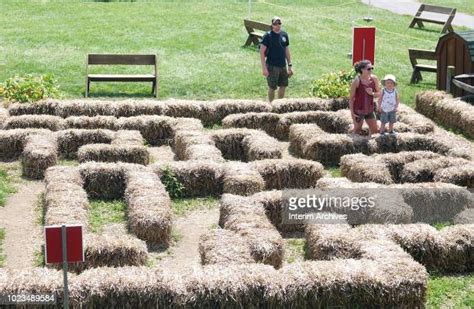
x=276, y=24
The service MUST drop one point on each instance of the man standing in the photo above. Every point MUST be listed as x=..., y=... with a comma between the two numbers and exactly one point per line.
x=274, y=55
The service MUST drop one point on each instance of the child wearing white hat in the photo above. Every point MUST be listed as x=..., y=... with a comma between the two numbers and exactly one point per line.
x=388, y=103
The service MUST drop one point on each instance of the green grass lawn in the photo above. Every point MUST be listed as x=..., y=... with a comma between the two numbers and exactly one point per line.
x=183, y=206
x=451, y=292
x=462, y=6
x=6, y=185
x=106, y=212
x=2, y=238
x=199, y=47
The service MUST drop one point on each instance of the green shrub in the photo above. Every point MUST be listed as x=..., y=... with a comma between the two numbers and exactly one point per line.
x=29, y=88
x=172, y=184
x=333, y=85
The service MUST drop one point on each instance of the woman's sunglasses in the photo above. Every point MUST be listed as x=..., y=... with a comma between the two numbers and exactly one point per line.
x=369, y=69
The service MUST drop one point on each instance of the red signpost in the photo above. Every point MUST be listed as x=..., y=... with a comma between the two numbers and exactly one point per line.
x=64, y=244
x=363, y=44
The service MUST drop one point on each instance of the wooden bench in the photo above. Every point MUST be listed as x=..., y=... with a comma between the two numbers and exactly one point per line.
x=445, y=20
x=424, y=54
x=113, y=59
x=256, y=30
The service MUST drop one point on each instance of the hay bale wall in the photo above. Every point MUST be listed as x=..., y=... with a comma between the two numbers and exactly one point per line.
x=40, y=153
x=453, y=113
x=149, y=207
x=246, y=217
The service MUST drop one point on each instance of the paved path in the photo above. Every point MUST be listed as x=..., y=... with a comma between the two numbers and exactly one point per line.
x=410, y=7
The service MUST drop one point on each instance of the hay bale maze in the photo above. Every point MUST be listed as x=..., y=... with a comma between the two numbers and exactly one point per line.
x=249, y=155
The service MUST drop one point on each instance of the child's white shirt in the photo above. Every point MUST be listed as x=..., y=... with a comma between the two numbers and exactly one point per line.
x=389, y=100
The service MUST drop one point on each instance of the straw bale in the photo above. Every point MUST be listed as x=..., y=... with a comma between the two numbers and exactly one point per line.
x=196, y=145
x=435, y=202
x=453, y=113
x=43, y=107
x=329, y=148
x=156, y=130
x=49, y=122
x=40, y=152
x=114, y=153
x=129, y=287
x=149, y=207
x=362, y=168
x=461, y=175
x=333, y=182
x=86, y=107
x=65, y=200
x=285, y=173
x=221, y=246
x=199, y=178
x=112, y=247
x=300, y=134
x=416, y=122
x=223, y=108
x=3, y=116
x=130, y=108
x=241, y=179
x=189, y=109
x=96, y=122
x=465, y=217
x=13, y=141
x=247, y=217
x=283, y=127
x=63, y=174
x=262, y=121
x=331, y=241
x=458, y=248
x=32, y=281
x=396, y=161
x=69, y=141
x=288, y=105
x=103, y=180
x=259, y=146
x=272, y=203
x=348, y=283
x=335, y=122
x=128, y=137
x=426, y=102
x=229, y=142
x=233, y=286
x=424, y=170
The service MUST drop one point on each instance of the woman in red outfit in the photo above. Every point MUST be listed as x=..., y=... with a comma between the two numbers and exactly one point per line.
x=364, y=89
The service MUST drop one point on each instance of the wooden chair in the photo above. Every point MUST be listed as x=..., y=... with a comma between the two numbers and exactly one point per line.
x=415, y=55
x=114, y=59
x=256, y=30
x=445, y=20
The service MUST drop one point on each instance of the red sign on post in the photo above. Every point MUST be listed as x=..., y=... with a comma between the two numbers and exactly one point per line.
x=363, y=44
x=54, y=247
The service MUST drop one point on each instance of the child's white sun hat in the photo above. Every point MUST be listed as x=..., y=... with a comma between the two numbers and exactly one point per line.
x=389, y=77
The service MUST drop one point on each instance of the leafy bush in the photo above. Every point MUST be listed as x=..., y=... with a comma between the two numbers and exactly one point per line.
x=172, y=184
x=333, y=85
x=29, y=88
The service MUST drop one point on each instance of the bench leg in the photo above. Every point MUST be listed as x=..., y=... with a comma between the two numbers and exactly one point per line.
x=249, y=41
x=153, y=89
x=88, y=86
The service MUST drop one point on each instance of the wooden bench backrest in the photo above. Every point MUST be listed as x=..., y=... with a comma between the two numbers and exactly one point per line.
x=113, y=59
x=250, y=24
x=424, y=54
x=436, y=9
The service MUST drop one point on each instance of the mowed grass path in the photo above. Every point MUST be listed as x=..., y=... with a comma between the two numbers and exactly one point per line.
x=199, y=43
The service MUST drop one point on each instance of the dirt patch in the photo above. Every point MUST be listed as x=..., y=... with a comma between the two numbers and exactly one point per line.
x=19, y=219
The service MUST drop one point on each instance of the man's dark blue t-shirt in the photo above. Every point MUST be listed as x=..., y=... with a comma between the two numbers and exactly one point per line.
x=276, y=44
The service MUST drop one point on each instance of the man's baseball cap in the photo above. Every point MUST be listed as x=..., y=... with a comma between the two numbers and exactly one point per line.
x=275, y=19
